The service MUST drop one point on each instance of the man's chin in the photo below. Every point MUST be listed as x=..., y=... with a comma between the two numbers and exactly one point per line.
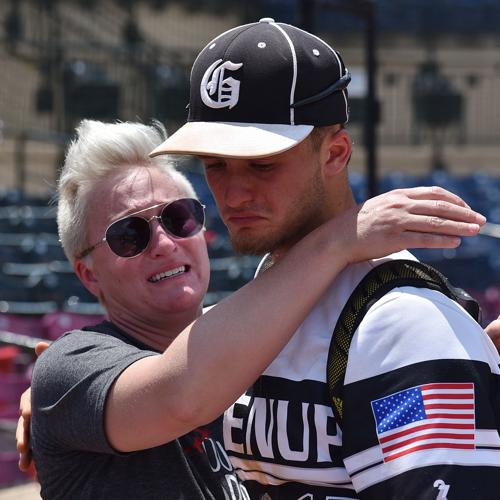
x=253, y=245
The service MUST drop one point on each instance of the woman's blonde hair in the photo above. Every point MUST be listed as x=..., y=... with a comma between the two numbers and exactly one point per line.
x=98, y=150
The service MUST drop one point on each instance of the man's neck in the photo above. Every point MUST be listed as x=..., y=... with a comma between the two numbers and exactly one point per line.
x=341, y=202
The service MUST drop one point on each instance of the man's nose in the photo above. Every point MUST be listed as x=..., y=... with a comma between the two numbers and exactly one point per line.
x=238, y=190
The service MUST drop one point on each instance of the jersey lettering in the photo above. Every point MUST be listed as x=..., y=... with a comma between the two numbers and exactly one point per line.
x=283, y=431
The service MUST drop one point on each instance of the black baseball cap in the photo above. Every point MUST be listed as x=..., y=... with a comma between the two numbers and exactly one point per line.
x=258, y=90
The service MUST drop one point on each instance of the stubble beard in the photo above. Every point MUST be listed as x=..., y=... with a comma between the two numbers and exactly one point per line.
x=306, y=214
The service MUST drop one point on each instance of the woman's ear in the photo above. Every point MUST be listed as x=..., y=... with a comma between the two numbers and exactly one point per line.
x=335, y=152
x=86, y=275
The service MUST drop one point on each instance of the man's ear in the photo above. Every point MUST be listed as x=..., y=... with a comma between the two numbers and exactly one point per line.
x=335, y=152
x=87, y=276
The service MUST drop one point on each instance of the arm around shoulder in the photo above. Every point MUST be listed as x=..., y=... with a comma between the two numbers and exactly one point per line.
x=212, y=362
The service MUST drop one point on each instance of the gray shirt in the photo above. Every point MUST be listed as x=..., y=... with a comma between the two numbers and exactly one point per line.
x=73, y=458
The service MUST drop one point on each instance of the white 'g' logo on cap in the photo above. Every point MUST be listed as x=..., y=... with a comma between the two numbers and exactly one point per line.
x=228, y=89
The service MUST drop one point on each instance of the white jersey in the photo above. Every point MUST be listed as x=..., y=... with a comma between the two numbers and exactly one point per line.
x=421, y=406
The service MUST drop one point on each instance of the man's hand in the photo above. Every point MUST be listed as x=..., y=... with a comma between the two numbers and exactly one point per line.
x=493, y=330
x=23, y=424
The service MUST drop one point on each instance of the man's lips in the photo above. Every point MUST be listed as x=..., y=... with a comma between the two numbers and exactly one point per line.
x=242, y=220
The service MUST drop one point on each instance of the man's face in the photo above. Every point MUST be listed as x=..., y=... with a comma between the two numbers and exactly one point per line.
x=269, y=203
x=131, y=287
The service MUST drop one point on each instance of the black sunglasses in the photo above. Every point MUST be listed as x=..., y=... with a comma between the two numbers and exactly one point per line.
x=130, y=236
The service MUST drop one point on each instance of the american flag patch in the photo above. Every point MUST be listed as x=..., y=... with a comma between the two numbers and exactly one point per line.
x=425, y=417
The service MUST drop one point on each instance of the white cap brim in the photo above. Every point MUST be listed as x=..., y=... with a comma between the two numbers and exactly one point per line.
x=236, y=140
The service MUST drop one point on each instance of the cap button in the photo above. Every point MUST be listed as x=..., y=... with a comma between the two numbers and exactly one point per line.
x=266, y=20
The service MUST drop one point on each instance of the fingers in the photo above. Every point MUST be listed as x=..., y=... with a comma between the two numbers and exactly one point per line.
x=23, y=424
x=25, y=460
x=25, y=405
x=445, y=218
x=22, y=443
x=434, y=193
x=415, y=239
x=438, y=225
x=422, y=217
x=431, y=209
x=40, y=347
x=439, y=201
x=23, y=431
x=447, y=210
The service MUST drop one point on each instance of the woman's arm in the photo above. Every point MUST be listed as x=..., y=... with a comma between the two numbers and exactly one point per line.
x=214, y=360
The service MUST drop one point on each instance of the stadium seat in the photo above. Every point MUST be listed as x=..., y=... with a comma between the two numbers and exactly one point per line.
x=8, y=356
x=12, y=385
x=57, y=323
x=29, y=247
x=491, y=303
x=9, y=471
x=27, y=308
x=25, y=324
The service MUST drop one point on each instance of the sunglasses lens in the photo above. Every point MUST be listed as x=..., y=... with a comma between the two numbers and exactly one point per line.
x=128, y=237
x=183, y=218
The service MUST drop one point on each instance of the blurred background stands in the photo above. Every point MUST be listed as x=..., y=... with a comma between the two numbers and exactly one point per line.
x=424, y=95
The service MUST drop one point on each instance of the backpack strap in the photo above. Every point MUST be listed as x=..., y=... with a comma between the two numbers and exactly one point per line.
x=376, y=283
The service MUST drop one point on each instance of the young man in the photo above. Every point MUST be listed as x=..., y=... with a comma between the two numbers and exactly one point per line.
x=116, y=405
x=421, y=417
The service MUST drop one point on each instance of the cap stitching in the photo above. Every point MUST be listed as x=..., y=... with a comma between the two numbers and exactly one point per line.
x=228, y=46
x=342, y=71
x=215, y=39
x=295, y=69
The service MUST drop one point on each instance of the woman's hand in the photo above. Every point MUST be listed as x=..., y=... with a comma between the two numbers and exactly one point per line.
x=23, y=424
x=421, y=217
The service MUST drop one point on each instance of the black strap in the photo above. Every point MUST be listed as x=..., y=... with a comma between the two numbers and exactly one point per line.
x=373, y=286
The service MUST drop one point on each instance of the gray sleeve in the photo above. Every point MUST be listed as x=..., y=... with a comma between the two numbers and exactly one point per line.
x=70, y=384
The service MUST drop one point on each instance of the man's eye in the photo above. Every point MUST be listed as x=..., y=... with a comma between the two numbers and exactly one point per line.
x=263, y=166
x=213, y=166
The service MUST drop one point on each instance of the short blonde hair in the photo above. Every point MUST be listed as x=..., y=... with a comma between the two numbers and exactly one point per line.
x=98, y=150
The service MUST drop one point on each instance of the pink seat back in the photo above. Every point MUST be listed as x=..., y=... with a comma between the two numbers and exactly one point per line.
x=57, y=323
x=24, y=324
x=9, y=471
